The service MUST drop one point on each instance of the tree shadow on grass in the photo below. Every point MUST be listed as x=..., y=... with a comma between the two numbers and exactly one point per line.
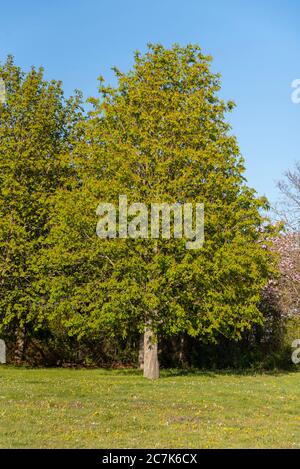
x=169, y=373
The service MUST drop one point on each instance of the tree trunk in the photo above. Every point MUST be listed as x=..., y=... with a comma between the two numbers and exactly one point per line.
x=20, y=345
x=141, y=353
x=151, y=365
x=2, y=352
x=181, y=351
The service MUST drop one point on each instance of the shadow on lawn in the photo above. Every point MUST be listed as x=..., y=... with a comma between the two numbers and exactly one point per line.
x=167, y=373
x=180, y=372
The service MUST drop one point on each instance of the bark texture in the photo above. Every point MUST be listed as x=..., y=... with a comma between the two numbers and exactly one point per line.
x=151, y=365
x=141, y=353
x=20, y=346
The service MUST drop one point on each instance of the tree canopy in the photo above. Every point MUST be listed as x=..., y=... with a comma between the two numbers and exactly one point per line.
x=36, y=126
x=160, y=135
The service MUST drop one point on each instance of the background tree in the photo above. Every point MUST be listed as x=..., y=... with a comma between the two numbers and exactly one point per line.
x=159, y=136
x=36, y=125
x=280, y=300
x=288, y=209
x=283, y=292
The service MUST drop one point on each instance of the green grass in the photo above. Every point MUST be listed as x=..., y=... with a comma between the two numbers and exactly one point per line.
x=66, y=408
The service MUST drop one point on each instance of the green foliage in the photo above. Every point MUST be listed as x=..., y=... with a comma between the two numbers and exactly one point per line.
x=36, y=132
x=159, y=136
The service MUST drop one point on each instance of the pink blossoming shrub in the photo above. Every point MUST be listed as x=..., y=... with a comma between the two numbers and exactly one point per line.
x=281, y=302
x=283, y=293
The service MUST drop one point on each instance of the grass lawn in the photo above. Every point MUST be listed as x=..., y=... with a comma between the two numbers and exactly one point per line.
x=66, y=408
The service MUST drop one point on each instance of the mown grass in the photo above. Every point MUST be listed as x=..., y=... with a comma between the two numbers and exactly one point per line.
x=67, y=408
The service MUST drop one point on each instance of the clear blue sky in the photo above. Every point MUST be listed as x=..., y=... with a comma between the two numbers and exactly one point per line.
x=255, y=45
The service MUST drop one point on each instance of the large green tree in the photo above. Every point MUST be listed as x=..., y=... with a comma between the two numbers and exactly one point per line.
x=161, y=136
x=36, y=131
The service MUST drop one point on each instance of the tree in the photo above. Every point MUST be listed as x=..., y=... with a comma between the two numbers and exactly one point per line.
x=159, y=136
x=289, y=208
x=36, y=125
x=282, y=293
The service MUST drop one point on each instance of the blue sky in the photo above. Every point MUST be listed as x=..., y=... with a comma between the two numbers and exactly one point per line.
x=255, y=45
